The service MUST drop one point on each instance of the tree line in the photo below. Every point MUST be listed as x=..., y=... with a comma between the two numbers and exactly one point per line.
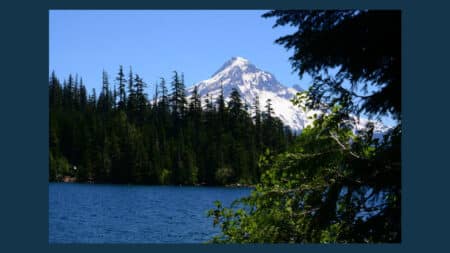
x=123, y=136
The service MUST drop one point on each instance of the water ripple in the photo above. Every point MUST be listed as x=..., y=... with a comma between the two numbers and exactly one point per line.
x=83, y=213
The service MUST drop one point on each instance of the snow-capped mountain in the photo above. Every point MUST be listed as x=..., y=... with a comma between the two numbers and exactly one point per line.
x=251, y=81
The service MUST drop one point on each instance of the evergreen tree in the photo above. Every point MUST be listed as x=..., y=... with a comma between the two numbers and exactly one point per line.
x=68, y=93
x=122, y=94
x=83, y=95
x=55, y=92
x=195, y=106
x=269, y=110
x=131, y=101
x=76, y=93
x=140, y=98
x=156, y=95
x=209, y=103
x=164, y=103
x=221, y=105
x=178, y=98
x=93, y=99
x=105, y=99
x=258, y=125
x=114, y=97
x=235, y=106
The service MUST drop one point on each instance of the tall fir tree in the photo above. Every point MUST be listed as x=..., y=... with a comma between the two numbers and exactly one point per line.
x=178, y=98
x=122, y=93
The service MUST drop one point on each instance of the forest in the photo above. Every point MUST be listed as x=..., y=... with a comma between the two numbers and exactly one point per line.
x=122, y=136
x=329, y=184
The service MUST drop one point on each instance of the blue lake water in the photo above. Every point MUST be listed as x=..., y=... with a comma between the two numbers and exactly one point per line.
x=87, y=213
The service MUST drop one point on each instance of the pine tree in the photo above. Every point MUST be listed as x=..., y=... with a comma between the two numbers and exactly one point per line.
x=221, y=105
x=55, y=92
x=140, y=98
x=209, y=103
x=131, y=101
x=93, y=99
x=68, y=93
x=258, y=123
x=164, y=103
x=105, y=100
x=178, y=98
x=269, y=110
x=235, y=106
x=122, y=94
x=83, y=95
x=114, y=97
x=156, y=95
x=195, y=106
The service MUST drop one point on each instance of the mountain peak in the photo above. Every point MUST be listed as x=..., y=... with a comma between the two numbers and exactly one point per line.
x=236, y=62
x=251, y=82
x=238, y=73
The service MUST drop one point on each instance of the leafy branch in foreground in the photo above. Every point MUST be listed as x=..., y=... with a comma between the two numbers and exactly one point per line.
x=334, y=185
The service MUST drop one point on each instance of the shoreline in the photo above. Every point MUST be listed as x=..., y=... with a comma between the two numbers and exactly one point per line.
x=72, y=181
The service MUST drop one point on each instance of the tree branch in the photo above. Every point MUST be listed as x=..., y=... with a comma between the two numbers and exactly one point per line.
x=334, y=137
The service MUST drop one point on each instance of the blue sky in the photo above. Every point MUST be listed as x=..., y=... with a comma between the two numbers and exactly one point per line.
x=157, y=42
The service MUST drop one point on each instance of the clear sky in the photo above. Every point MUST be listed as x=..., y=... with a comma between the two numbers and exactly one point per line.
x=157, y=42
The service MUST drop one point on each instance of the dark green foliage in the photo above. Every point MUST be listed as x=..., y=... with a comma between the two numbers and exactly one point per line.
x=365, y=46
x=178, y=98
x=122, y=94
x=334, y=184
x=168, y=141
x=331, y=186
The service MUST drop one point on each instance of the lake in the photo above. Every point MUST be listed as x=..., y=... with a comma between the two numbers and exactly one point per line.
x=91, y=213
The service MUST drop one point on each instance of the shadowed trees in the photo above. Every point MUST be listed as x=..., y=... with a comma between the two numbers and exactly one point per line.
x=334, y=184
x=172, y=140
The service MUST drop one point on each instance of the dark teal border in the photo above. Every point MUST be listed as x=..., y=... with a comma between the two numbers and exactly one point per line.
x=24, y=124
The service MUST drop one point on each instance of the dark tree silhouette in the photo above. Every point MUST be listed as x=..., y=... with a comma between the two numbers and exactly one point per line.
x=165, y=142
